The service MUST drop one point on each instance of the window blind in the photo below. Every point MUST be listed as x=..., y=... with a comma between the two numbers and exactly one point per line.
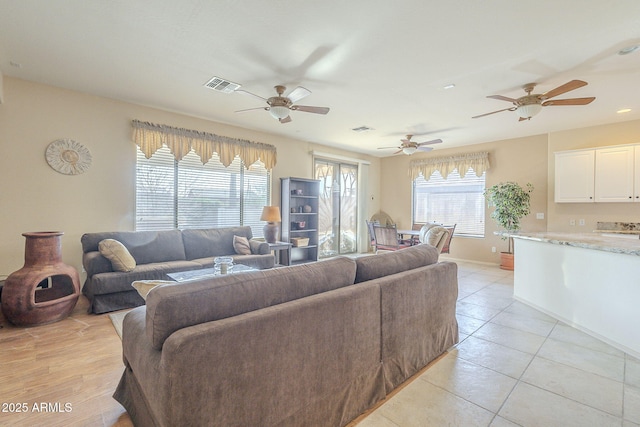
x=187, y=194
x=450, y=201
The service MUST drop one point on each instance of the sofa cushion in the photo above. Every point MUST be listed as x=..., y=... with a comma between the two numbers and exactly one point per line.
x=387, y=263
x=241, y=245
x=203, y=243
x=173, y=307
x=145, y=246
x=106, y=283
x=117, y=254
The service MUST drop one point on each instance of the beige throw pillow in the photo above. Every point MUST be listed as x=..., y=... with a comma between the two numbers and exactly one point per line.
x=117, y=253
x=145, y=286
x=241, y=245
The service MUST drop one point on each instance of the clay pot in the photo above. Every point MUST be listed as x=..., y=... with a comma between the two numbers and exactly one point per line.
x=45, y=289
x=506, y=261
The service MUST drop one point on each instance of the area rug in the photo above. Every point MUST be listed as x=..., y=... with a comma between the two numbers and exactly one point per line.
x=117, y=319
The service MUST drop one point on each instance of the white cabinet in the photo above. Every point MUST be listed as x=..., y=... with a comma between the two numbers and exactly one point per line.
x=614, y=174
x=636, y=184
x=574, y=176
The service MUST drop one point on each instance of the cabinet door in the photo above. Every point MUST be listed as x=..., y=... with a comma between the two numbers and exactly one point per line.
x=614, y=174
x=574, y=176
x=636, y=166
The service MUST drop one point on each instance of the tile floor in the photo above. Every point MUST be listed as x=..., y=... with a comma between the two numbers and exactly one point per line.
x=515, y=366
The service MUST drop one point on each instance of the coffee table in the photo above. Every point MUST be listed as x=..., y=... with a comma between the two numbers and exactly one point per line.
x=184, y=276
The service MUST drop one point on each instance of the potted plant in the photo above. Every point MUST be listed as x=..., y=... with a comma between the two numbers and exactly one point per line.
x=511, y=203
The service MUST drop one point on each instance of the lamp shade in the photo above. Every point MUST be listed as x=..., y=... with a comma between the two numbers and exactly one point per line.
x=279, y=112
x=529, y=110
x=271, y=214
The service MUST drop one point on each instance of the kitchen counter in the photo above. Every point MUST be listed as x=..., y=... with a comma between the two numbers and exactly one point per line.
x=596, y=241
x=587, y=280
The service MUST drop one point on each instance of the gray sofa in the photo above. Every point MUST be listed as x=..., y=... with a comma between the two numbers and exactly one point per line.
x=309, y=345
x=157, y=253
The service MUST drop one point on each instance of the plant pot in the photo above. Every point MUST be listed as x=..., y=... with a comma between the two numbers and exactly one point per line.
x=506, y=261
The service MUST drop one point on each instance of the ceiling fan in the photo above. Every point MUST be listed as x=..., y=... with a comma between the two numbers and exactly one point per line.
x=409, y=147
x=529, y=105
x=280, y=106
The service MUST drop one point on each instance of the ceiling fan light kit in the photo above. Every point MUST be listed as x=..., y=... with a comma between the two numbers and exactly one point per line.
x=409, y=150
x=528, y=111
x=279, y=112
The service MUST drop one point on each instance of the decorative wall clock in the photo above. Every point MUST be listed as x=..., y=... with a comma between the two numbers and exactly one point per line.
x=68, y=157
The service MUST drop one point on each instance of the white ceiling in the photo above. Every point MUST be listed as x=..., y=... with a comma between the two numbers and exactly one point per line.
x=381, y=64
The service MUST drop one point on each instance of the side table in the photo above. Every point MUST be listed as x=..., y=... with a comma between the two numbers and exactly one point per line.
x=277, y=248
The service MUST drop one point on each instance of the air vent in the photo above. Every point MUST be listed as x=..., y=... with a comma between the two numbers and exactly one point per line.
x=362, y=129
x=222, y=85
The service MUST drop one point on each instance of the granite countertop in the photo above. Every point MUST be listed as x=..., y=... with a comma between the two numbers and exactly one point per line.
x=595, y=241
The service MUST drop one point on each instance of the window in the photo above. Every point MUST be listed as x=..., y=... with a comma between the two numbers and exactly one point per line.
x=188, y=194
x=451, y=201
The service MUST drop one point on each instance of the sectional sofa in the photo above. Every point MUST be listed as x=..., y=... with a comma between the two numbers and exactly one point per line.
x=309, y=345
x=156, y=253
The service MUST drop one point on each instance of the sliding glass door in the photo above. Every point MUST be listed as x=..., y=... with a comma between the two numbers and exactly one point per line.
x=338, y=211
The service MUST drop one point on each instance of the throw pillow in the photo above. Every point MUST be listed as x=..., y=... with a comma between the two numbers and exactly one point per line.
x=117, y=253
x=145, y=286
x=241, y=245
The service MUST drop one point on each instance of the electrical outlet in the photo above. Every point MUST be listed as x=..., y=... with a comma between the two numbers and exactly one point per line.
x=572, y=222
x=493, y=249
x=540, y=215
x=581, y=222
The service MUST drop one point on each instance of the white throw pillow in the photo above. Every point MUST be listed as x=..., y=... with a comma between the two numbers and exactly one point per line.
x=241, y=245
x=117, y=253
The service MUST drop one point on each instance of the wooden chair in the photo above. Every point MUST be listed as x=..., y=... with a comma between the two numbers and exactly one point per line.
x=387, y=238
x=451, y=229
x=372, y=237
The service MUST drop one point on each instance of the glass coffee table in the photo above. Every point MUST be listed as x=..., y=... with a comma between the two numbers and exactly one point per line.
x=184, y=276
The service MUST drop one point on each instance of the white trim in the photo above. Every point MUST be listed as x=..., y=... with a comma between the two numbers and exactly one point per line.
x=339, y=157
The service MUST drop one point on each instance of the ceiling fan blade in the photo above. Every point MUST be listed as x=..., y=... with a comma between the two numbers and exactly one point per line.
x=423, y=148
x=298, y=93
x=285, y=120
x=522, y=119
x=502, y=98
x=493, y=112
x=251, y=109
x=571, y=101
x=435, y=141
x=398, y=152
x=244, y=92
x=386, y=148
x=309, y=109
x=572, y=85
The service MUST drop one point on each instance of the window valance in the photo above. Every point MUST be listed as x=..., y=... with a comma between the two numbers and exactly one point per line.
x=479, y=162
x=150, y=137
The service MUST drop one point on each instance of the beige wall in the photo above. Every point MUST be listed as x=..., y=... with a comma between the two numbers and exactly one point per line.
x=596, y=136
x=521, y=160
x=36, y=198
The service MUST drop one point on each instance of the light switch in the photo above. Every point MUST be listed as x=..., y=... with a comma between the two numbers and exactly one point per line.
x=540, y=215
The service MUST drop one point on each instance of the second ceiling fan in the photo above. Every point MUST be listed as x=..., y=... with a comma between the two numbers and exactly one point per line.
x=529, y=105
x=280, y=106
x=409, y=147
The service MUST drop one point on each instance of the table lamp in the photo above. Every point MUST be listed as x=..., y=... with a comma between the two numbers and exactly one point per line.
x=271, y=214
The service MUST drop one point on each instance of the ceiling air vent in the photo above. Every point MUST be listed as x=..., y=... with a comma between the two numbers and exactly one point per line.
x=221, y=85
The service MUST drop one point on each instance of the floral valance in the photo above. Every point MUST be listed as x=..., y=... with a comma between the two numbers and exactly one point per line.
x=150, y=137
x=479, y=162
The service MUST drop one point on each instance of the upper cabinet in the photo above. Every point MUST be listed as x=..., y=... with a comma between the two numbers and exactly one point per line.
x=614, y=174
x=607, y=174
x=574, y=176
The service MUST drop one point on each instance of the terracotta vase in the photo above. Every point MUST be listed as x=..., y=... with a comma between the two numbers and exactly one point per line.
x=45, y=289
